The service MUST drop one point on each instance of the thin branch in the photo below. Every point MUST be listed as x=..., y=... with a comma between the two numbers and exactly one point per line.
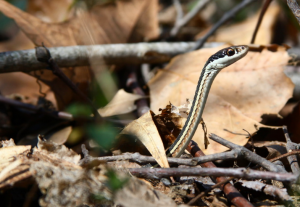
x=224, y=19
x=36, y=109
x=182, y=22
x=285, y=155
x=294, y=7
x=233, y=195
x=247, y=154
x=133, y=84
x=289, y=147
x=203, y=193
x=71, y=56
x=261, y=15
x=179, y=11
x=157, y=173
x=43, y=55
x=136, y=157
x=267, y=189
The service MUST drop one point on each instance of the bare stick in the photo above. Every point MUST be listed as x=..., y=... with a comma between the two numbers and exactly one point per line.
x=289, y=147
x=35, y=109
x=233, y=195
x=224, y=19
x=43, y=55
x=247, y=154
x=294, y=7
x=261, y=15
x=25, y=60
x=182, y=22
x=156, y=173
x=142, y=104
x=208, y=190
x=267, y=189
x=285, y=155
x=179, y=11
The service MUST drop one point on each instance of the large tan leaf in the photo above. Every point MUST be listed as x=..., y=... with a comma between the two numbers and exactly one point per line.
x=145, y=129
x=239, y=96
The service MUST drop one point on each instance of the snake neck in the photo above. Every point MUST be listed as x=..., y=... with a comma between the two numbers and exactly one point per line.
x=194, y=117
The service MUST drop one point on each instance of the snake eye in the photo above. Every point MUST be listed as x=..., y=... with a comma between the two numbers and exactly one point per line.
x=230, y=52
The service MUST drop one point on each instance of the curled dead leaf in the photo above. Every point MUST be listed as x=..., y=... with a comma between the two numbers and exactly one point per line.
x=145, y=130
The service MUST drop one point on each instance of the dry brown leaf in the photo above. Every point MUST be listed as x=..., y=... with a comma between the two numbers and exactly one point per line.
x=145, y=129
x=21, y=83
x=122, y=103
x=112, y=23
x=119, y=22
x=53, y=11
x=241, y=33
x=239, y=96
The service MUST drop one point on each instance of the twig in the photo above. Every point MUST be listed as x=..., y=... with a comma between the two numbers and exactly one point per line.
x=44, y=55
x=285, y=155
x=71, y=56
x=289, y=147
x=261, y=15
x=247, y=154
x=208, y=190
x=142, y=104
x=179, y=11
x=267, y=189
x=137, y=157
x=156, y=173
x=294, y=7
x=233, y=195
x=224, y=19
x=182, y=22
x=25, y=60
x=29, y=107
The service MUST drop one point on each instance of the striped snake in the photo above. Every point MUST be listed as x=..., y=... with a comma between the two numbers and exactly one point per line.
x=212, y=67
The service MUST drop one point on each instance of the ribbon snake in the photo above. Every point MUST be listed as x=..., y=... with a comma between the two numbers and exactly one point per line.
x=212, y=67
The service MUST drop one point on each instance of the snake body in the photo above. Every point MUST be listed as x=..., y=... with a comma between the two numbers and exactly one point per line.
x=212, y=67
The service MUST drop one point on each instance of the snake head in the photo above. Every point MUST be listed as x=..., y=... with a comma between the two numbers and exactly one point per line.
x=226, y=57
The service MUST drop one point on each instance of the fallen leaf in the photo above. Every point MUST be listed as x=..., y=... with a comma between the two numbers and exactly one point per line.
x=145, y=130
x=99, y=21
x=122, y=103
x=239, y=96
x=118, y=22
x=24, y=85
